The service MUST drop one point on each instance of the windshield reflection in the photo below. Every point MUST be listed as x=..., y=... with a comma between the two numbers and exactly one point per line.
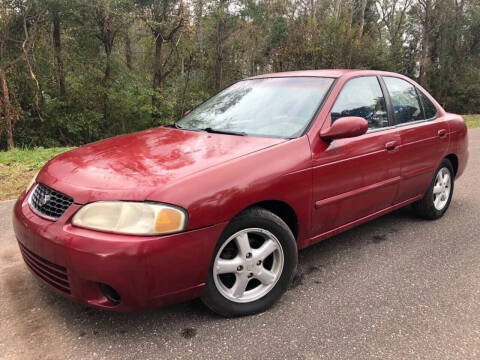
x=271, y=107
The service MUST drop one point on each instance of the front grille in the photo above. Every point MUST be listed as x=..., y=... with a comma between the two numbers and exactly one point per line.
x=53, y=274
x=48, y=202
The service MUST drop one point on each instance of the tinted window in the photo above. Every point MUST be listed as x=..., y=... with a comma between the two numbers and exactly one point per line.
x=279, y=107
x=428, y=107
x=404, y=100
x=362, y=97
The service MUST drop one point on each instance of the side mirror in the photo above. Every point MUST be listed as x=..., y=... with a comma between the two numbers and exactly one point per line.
x=345, y=127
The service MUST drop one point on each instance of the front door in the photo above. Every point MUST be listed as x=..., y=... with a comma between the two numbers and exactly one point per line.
x=356, y=177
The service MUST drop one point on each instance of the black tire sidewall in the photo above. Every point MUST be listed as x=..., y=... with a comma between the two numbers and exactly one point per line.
x=433, y=212
x=255, y=218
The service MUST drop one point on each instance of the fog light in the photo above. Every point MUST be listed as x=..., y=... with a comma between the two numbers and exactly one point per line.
x=110, y=293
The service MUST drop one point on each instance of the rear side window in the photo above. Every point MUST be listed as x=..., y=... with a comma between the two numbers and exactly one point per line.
x=362, y=97
x=428, y=107
x=406, y=104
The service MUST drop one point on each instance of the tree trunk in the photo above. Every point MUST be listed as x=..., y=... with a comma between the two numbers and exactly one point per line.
x=8, y=115
x=426, y=44
x=218, y=70
x=107, y=38
x=363, y=7
x=108, y=67
x=157, y=66
x=338, y=9
x=198, y=22
x=128, y=51
x=184, y=92
x=106, y=78
x=57, y=48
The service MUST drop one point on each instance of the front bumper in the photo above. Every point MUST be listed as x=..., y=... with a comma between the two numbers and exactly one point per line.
x=145, y=271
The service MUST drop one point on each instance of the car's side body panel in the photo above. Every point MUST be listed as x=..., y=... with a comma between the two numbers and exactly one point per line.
x=421, y=150
x=458, y=141
x=341, y=200
x=423, y=144
x=351, y=179
x=217, y=194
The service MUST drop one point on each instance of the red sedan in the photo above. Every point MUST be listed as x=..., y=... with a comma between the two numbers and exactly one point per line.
x=217, y=205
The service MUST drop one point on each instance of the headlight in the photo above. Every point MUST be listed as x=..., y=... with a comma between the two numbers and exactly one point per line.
x=137, y=218
x=30, y=184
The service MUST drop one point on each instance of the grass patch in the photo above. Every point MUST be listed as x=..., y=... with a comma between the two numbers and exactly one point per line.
x=18, y=166
x=473, y=121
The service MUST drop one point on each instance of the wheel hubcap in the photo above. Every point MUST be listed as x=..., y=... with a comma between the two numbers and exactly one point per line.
x=442, y=188
x=248, y=265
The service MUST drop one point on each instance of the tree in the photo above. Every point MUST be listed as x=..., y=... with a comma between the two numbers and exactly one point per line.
x=57, y=10
x=75, y=71
x=111, y=16
x=166, y=19
x=15, y=48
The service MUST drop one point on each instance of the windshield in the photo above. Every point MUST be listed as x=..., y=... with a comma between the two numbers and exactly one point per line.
x=271, y=107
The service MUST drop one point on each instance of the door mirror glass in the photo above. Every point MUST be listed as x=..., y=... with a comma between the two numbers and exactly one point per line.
x=345, y=127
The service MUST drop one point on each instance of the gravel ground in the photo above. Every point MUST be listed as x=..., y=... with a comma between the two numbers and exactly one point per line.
x=395, y=288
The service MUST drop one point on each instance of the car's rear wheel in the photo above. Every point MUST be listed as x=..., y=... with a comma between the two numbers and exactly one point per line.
x=253, y=264
x=438, y=196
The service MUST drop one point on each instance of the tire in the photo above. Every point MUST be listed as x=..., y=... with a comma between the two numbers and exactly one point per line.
x=240, y=261
x=433, y=206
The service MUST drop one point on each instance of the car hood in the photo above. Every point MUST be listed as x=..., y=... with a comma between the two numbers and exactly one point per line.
x=130, y=167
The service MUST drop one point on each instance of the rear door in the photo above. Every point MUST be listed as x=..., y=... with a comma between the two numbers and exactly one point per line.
x=424, y=137
x=355, y=177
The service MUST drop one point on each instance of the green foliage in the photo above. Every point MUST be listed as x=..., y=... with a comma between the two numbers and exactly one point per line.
x=111, y=55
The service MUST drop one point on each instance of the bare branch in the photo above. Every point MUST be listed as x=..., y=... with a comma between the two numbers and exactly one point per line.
x=32, y=74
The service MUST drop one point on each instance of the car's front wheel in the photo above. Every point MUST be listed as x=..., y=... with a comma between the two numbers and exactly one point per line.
x=253, y=264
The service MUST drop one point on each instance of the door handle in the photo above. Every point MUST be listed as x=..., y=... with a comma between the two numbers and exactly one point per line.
x=442, y=133
x=391, y=145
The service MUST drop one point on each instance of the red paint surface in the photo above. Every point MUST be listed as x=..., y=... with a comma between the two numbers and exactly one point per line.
x=345, y=127
x=331, y=186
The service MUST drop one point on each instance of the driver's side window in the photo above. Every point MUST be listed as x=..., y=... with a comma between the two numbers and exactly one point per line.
x=362, y=97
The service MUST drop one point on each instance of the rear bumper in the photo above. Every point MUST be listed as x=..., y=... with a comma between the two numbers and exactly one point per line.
x=145, y=271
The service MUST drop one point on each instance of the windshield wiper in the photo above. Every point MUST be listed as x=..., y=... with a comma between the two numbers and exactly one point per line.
x=218, y=131
x=208, y=129
x=175, y=126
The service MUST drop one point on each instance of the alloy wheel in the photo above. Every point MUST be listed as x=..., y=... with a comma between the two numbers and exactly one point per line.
x=442, y=188
x=248, y=265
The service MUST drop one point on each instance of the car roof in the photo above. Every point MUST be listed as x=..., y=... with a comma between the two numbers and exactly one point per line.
x=324, y=73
